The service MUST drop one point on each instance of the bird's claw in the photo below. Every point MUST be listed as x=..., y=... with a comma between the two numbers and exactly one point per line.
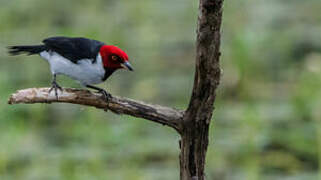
x=107, y=96
x=55, y=86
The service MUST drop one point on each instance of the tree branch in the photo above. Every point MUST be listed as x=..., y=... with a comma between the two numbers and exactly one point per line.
x=156, y=113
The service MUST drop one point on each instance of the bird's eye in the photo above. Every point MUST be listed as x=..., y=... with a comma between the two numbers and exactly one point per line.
x=114, y=57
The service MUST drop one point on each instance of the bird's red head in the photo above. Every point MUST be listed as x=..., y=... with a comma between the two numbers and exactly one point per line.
x=115, y=58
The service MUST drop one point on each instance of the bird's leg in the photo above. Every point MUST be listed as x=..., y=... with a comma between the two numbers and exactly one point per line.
x=105, y=94
x=55, y=86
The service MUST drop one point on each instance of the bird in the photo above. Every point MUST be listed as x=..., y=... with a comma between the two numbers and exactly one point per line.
x=85, y=60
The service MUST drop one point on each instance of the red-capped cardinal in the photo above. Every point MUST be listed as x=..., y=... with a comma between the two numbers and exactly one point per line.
x=85, y=60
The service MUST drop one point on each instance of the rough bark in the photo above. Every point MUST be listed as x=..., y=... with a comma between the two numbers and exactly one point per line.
x=198, y=116
x=192, y=124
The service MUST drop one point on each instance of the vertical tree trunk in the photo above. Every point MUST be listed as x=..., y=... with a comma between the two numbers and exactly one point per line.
x=197, y=118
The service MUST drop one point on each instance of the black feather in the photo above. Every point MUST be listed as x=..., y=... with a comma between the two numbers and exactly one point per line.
x=16, y=50
x=74, y=49
x=108, y=72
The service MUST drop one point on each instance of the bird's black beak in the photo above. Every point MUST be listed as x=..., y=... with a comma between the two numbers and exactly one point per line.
x=127, y=65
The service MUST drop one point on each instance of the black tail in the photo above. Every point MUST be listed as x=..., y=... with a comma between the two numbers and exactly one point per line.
x=16, y=50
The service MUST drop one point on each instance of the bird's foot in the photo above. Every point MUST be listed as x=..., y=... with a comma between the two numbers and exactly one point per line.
x=55, y=86
x=107, y=96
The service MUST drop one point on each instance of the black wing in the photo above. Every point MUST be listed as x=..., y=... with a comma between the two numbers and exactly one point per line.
x=74, y=49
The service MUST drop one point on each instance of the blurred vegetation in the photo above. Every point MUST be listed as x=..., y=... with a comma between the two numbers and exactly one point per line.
x=267, y=122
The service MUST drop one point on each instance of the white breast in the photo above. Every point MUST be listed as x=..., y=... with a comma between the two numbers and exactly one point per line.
x=84, y=71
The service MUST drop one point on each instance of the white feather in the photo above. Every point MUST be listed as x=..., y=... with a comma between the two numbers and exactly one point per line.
x=85, y=71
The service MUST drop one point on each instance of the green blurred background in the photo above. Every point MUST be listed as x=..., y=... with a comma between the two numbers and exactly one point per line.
x=267, y=122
